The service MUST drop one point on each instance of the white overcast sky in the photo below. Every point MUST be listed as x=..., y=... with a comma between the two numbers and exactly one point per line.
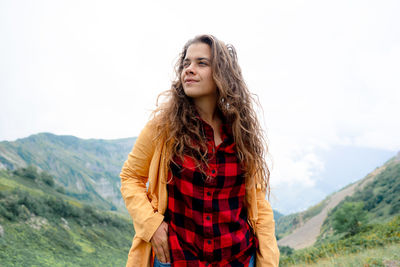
x=327, y=72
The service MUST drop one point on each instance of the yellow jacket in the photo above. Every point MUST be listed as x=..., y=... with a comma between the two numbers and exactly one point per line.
x=147, y=162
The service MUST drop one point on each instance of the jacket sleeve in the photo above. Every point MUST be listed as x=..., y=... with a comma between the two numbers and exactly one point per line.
x=134, y=176
x=268, y=253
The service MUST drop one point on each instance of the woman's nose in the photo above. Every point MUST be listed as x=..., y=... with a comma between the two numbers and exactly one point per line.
x=190, y=69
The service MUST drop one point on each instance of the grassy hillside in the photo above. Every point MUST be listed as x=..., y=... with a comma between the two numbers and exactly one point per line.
x=375, y=257
x=40, y=226
x=380, y=199
x=88, y=169
x=373, y=236
x=368, y=219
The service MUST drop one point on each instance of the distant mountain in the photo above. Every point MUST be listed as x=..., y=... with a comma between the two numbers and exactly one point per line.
x=379, y=191
x=277, y=215
x=87, y=168
x=340, y=165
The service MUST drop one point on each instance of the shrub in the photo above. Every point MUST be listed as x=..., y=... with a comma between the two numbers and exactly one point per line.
x=395, y=208
x=349, y=218
x=60, y=189
x=33, y=204
x=47, y=179
x=5, y=213
x=29, y=172
x=286, y=250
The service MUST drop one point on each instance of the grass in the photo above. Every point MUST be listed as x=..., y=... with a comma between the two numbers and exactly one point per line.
x=371, y=237
x=52, y=245
x=368, y=258
x=66, y=232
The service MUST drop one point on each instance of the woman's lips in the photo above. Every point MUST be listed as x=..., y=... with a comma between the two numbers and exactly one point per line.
x=190, y=82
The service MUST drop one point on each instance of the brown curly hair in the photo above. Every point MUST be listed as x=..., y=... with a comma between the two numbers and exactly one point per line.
x=176, y=116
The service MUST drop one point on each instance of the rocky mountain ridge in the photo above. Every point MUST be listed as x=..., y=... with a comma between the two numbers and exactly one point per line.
x=87, y=168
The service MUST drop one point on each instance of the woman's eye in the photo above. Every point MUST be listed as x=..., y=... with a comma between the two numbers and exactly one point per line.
x=187, y=64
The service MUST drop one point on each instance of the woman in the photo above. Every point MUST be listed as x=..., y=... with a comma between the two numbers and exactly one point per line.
x=203, y=157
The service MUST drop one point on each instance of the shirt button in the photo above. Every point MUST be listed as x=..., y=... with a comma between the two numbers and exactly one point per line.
x=208, y=217
x=208, y=193
x=209, y=242
x=207, y=264
x=213, y=171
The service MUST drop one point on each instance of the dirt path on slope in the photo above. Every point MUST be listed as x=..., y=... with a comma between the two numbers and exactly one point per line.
x=307, y=234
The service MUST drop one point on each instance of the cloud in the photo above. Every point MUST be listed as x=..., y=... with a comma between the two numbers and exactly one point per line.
x=326, y=72
x=294, y=198
x=299, y=167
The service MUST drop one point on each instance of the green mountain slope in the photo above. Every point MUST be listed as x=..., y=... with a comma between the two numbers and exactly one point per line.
x=367, y=218
x=378, y=193
x=376, y=235
x=88, y=169
x=40, y=226
x=380, y=198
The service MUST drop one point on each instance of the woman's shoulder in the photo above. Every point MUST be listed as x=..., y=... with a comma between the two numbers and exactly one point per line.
x=154, y=129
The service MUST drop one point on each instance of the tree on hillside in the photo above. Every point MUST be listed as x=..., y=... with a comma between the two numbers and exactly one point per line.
x=29, y=172
x=47, y=178
x=349, y=218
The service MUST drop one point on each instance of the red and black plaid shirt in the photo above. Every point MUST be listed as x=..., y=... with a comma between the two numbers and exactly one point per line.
x=208, y=220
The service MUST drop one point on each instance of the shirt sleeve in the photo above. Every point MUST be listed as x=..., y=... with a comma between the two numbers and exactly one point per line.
x=134, y=176
x=268, y=253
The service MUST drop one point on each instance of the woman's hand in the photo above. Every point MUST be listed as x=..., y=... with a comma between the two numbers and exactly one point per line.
x=159, y=242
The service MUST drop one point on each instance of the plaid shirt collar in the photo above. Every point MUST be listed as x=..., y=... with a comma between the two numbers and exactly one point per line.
x=227, y=145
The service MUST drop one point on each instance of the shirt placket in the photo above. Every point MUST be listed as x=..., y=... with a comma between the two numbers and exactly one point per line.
x=208, y=197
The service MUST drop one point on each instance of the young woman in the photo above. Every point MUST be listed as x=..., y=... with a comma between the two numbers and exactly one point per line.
x=202, y=155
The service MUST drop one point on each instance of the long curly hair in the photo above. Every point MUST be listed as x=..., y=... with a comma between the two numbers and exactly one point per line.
x=176, y=119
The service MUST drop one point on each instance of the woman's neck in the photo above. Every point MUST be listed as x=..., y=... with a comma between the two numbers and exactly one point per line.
x=209, y=113
x=207, y=109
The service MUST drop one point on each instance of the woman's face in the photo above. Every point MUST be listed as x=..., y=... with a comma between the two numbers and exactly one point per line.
x=196, y=76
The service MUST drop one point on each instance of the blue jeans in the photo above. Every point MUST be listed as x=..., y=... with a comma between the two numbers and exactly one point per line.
x=157, y=263
x=253, y=260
